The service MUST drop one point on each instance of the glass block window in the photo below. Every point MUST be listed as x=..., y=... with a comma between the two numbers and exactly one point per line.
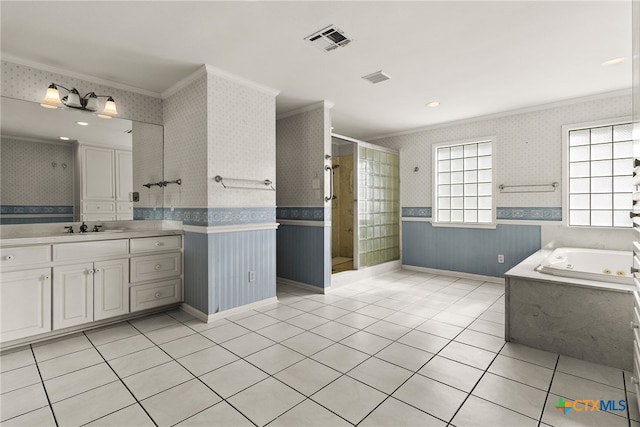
x=600, y=173
x=464, y=182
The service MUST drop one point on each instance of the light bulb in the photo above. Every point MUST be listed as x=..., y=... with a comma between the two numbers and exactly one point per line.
x=110, y=107
x=52, y=97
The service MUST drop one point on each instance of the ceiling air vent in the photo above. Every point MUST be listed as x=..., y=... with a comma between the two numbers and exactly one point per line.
x=329, y=38
x=377, y=77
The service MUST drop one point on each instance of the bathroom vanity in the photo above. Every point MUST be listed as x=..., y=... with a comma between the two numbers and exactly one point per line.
x=54, y=283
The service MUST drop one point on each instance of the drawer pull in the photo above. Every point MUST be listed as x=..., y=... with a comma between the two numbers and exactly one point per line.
x=97, y=270
x=158, y=267
x=9, y=257
x=158, y=295
x=159, y=244
x=634, y=380
x=634, y=325
x=45, y=277
x=90, y=271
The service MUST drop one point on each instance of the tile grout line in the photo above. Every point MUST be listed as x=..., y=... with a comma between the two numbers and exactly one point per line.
x=46, y=393
x=626, y=398
x=546, y=398
x=125, y=386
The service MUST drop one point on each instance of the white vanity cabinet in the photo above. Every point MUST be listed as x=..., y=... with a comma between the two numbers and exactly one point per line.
x=69, y=286
x=89, y=291
x=25, y=303
x=106, y=180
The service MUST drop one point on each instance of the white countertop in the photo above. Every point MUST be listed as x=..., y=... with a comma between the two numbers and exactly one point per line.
x=526, y=270
x=84, y=237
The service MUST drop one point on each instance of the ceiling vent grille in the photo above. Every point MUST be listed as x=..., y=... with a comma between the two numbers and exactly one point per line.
x=329, y=38
x=377, y=77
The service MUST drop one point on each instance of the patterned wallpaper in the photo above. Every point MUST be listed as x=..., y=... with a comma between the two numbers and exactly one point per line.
x=300, y=151
x=185, y=146
x=30, y=84
x=47, y=184
x=147, y=156
x=528, y=150
x=241, y=143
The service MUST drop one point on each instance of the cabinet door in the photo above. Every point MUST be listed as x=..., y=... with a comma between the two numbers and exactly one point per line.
x=25, y=303
x=72, y=295
x=124, y=175
x=98, y=173
x=111, y=288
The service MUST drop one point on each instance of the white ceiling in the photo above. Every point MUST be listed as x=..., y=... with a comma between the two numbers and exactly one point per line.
x=476, y=57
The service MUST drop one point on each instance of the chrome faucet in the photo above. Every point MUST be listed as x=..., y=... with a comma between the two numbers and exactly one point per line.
x=95, y=228
x=69, y=229
x=83, y=227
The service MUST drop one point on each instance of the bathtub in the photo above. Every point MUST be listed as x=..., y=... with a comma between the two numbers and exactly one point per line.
x=589, y=264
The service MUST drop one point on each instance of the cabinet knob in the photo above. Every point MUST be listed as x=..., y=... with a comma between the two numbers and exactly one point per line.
x=9, y=257
x=159, y=244
x=158, y=295
x=45, y=277
x=97, y=270
x=89, y=271
x=634, y=380
x=634, y=325
x=158, y=266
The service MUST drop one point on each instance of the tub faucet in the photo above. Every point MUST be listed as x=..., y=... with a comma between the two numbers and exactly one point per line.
x=83, y=227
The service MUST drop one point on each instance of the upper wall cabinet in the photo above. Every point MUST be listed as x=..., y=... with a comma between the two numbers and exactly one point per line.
x=105, y=184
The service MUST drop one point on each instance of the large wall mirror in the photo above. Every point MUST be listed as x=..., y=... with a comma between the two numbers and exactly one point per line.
x=66, y=165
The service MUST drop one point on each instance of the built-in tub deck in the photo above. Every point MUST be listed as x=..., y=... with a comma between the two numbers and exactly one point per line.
x=586, y=319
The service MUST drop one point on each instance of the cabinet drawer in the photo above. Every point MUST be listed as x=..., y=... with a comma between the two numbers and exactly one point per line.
x=26, y=255
x=155, y=244
x=155, y=267
x=155, y=294
x=90, y=250
x=125, y=207
x=99, y=207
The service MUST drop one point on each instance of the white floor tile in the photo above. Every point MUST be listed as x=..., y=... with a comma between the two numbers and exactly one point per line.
x=513, y=395
x=280, y=331
x=307, y=321
x=330, y=312
x=16, y=359
x=18, y=378
x=405, y=319
x=233, y=378
x=221, y=414
x=124, y=346
x=573, y=387
x=380, y=375
x=187, y=345
x=486, y=327
x=393, y=412
x=531, y=355
x=266, y=400
x=147, y=324
x=180, y=316
x=179, y=403
x=478, y=412
x=21, y=401
x=453, y=319
x=274, y=359
x=404, y=356
x=226, y=332
x=283, y=312
x=77, y=382
x=433, y=397
x=334, y=331
x=152, y=381
x=481, y=340
x=340, y=357
x=247, y=344
x=366, y=342
x=42, y=417
x=68, y=363
x=307, y=376
x=169, y=333
x=387, y=330
x=94, y=404
x=450, y=372
x=308, y=413
x=356, y=320
x=349, y=398
x=424, y=341
x=591, y=371
x=440, y=329
x=61, y=346
x=131, y=416
x=111, y=333
x=307, y=343
x=375, y=311
x=521, y=371
x=256, y=322
x=207, y=360
x=139, y=361
x=469, y=355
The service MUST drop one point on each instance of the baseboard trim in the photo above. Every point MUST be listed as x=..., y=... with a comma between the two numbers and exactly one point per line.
x=316, y=289
x=208, y=318
x=351, y=276
x=491, y=279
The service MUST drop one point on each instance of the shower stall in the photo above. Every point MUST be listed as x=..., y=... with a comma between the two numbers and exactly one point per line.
x=365, y=217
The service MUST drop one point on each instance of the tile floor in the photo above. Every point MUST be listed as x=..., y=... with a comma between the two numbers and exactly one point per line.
x=405, y=348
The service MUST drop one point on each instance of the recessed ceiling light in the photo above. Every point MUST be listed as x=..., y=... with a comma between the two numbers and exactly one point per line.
x=83, y=123
x=433, y=104
x=64, y=138
x=614, y=61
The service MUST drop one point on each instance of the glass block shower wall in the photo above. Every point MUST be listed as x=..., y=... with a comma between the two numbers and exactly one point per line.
x=378, y=206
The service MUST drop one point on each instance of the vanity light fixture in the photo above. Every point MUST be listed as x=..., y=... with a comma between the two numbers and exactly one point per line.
x=88, y=102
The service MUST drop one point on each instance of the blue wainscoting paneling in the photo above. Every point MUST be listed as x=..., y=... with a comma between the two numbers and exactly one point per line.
x=196, y=271
x=231, y=257
x=301, y=254
x=468, y=250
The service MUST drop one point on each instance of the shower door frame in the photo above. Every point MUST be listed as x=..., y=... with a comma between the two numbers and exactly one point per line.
x=356, y=189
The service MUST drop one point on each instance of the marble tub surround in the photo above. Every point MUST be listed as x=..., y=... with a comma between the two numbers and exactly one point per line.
x=580, y=318
x=11, y=235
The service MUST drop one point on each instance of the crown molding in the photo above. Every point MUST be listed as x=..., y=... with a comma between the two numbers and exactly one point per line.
x=92, y=79
x=310, y=107
x=181, y=84
x=241, y=80
x=565, y=102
